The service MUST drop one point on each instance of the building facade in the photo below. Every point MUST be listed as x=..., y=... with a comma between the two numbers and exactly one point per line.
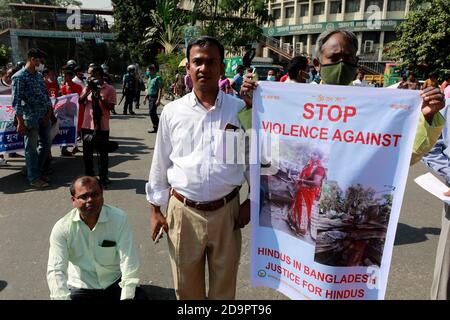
x=298, y=23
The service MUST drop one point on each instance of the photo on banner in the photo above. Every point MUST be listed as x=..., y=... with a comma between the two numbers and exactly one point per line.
x=66, y=113
x=330, y=164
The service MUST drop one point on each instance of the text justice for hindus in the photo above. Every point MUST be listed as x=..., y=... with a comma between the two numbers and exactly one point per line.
x=333, y=113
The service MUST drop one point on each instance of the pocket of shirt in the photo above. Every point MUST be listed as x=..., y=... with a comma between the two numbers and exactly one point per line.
x=105, y=255
x=229, y=147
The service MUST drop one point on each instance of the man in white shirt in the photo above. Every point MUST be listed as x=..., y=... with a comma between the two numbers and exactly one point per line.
x=92, y=253
x=204, y=215
x=78, y=79
x=360, y=82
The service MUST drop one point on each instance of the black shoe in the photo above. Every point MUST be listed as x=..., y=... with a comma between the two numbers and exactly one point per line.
x=105, y=180
x=113, y=112
x=66, y=153
x=15, y=155
x=132, y=113
x=137, y=107
x=125, y=113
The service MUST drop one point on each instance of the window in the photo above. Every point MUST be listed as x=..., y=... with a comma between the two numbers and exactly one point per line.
x=396, y=5
x=389, y=36
x=276, y=14
x=314, y=38
x=289, y=12
x=352, y=6
x=335, y=7
x=303, y=38
x=319, y=8
x=304, y=9
x=378, y=3
x=371, y=36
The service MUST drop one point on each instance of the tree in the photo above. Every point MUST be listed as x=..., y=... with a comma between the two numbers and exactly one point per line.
x=167, y=25
x=170, y=62
x=357, y=199
x=424, y=37
x=235, y=23
x=331, y=198
x=131, y=19
x=5, y=54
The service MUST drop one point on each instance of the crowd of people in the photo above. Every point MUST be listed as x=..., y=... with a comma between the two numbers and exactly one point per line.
x=34, y=88
x=92, y=254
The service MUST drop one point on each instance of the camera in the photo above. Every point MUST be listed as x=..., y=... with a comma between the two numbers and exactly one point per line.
x=94, y=84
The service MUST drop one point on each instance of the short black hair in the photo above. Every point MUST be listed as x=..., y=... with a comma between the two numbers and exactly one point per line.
x=77, y=69
x=98, y=69
x=151, y=67
x=206, y=41
x=36, y=53
x=295, y=65
x=83, y=180
x=68, y=67
x=45, y=71
x=68, y=71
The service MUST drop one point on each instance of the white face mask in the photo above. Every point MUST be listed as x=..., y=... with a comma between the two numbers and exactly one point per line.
x=40, y=68
x=271, y=78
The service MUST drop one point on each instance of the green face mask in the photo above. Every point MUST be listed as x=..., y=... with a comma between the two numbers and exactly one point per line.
x=340, y=73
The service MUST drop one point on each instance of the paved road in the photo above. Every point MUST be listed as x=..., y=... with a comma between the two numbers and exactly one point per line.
x=27, y=216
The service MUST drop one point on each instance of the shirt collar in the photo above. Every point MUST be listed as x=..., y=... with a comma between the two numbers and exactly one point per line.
x=29, y=73
x=193, y=100
x=102, y=217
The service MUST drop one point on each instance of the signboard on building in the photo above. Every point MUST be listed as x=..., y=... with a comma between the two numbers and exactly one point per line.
x=308, y=28
x=61, y=34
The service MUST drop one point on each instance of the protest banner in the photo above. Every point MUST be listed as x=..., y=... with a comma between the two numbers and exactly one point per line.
x=65, y=109
x=10, y=140
x=329, y=168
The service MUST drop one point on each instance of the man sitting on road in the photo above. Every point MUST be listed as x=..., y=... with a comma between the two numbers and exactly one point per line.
x=92, y=253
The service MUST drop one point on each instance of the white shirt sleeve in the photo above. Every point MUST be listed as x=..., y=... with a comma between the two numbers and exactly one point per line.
x=157, y=187
x=57, y=264
x=129, y=261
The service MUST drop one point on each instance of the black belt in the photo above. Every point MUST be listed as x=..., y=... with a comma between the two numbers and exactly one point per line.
x=206, y=206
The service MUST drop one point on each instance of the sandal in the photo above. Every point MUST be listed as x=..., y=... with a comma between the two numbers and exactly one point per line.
x=40, y=184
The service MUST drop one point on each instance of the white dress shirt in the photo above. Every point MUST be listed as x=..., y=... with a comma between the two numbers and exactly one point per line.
x=190, y=153
x=77, y=257
x=79, y=81
x=360, y=83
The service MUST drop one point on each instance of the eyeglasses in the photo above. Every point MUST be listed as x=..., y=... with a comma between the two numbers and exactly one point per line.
x=86, y=196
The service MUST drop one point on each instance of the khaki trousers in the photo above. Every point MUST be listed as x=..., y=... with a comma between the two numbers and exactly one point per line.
x=440, y=289
x=196, y=237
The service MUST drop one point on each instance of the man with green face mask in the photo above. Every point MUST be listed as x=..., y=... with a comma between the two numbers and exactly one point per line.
x=337, y=61
x=336, y=57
